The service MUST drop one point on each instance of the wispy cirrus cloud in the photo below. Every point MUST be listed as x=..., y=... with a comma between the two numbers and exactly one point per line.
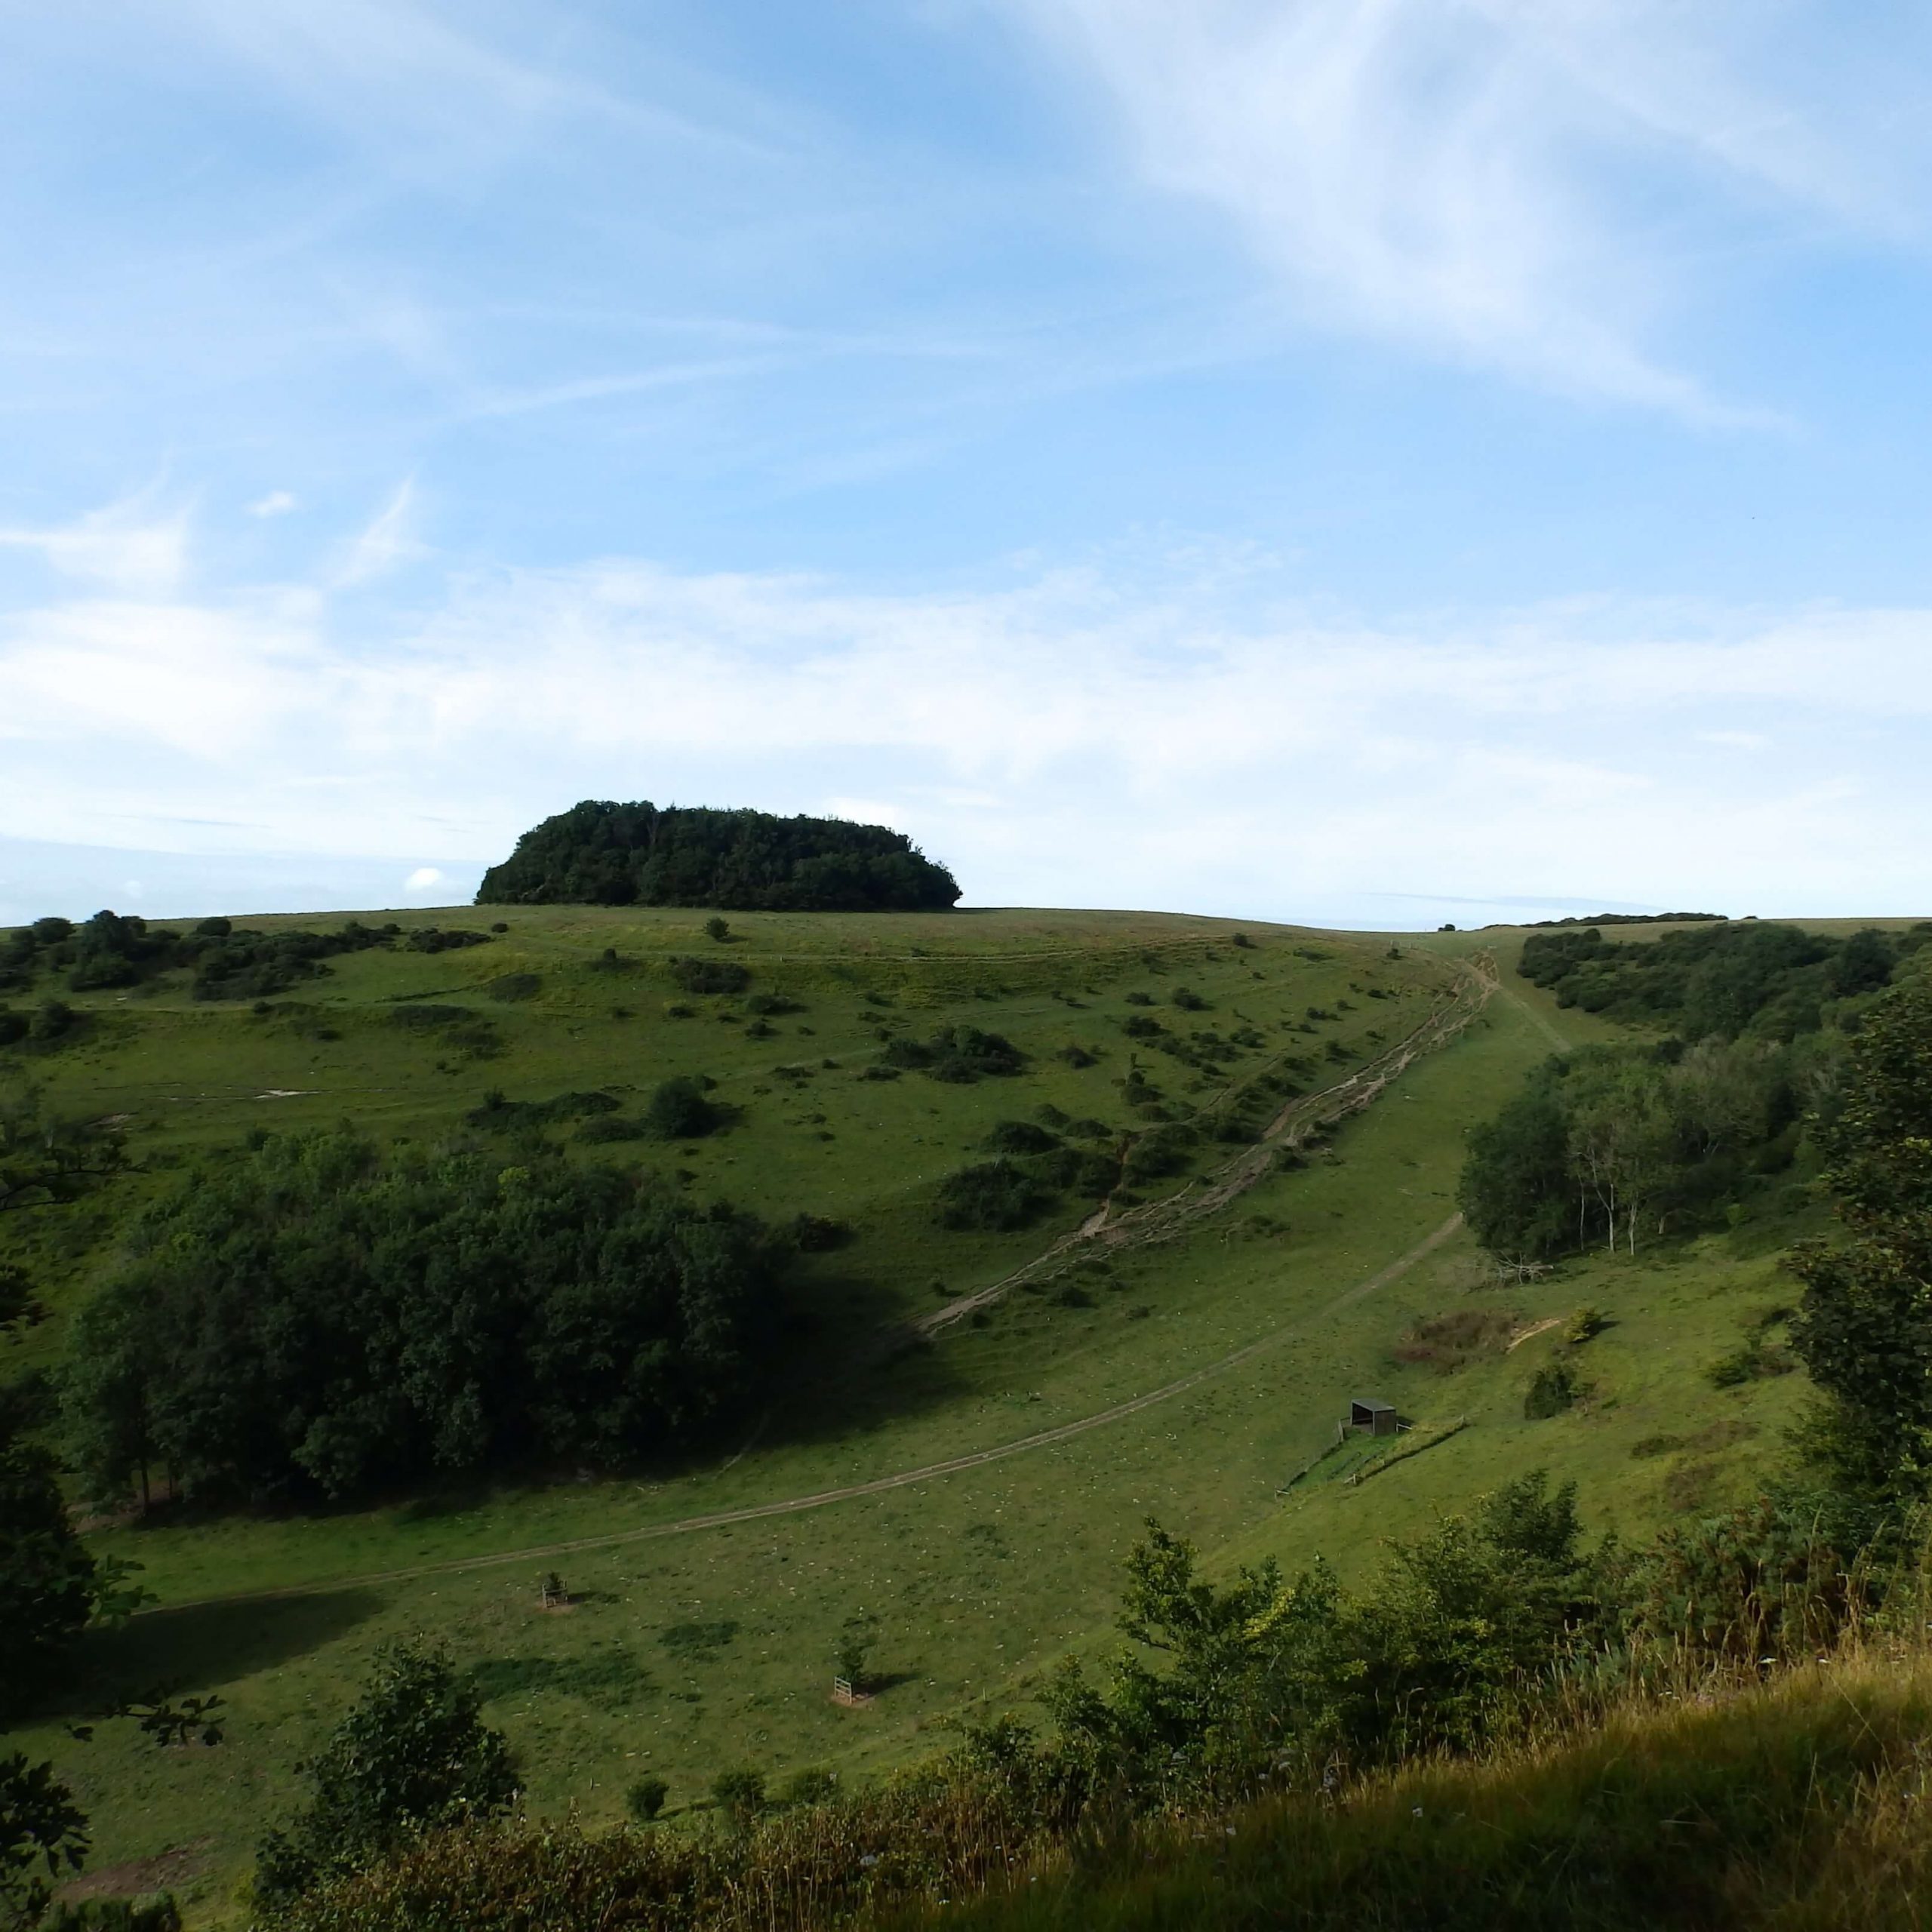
x=1518, y=184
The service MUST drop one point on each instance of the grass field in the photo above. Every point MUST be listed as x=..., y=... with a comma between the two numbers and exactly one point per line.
x=686, y=1650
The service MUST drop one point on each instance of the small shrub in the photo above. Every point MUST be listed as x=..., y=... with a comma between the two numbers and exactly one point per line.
x=718, y=927
x=1554, y=1388
x=1585, y=1325
x=679, y=1110
x=1188, y=1000
x=710, y=975
x=1141, y=1026
x=818, y=1234
x=645, y=1798
x=740, y=1795
x=55, y=1020
x=1139, y=999
x=1019, y=1136
x=1077, y=1055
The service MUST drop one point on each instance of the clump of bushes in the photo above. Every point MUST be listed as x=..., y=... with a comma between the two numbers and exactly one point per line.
x=710, y=975
x=960, y=1054
x=993, y=1195
x=681, y=1108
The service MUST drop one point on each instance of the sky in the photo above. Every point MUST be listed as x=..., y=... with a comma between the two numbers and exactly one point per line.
x=1365, y=463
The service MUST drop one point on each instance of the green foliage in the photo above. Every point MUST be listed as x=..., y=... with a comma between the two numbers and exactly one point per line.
x=718, y=927
x=740, y=1795
x=680, y=1110
x=1249, y=1678
x=853, y=1652
x=43, y=1834
x=645, y=1798
x=317, y=1317
x=1610, y=1144
x=46, y=1162
x=958, y=1055
x=412, y=1755
x=49, y=1586
x=994, y=1194
x=1554, y=1387
x=599, y=853
x=1864, y=1329
x=1718, y=980
x=711, y=975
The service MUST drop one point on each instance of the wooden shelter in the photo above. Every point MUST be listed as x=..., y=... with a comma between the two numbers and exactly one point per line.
x=1373, y=1418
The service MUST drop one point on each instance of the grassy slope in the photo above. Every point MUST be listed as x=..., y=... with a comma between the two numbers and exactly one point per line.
x=1796, y=1805
x=979, y=1579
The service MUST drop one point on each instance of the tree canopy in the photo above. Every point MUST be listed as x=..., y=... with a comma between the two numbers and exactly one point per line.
x=319, y=1317
x=600, y=852
x=1718, y=980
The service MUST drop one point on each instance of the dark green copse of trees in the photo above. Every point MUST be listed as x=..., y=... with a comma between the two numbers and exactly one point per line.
x=319, y=1318
x=1720, y=980
x=602, y=853
x=1865, y=1329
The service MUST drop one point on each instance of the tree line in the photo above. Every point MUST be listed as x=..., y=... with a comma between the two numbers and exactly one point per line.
x=226, y=961
x=600, y=852
x=1721, y=980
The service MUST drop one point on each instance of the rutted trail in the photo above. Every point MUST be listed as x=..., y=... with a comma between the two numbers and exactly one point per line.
x=824, y=1498
x=1305, y=1116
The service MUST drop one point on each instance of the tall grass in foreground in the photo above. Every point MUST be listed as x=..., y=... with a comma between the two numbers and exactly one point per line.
x=1798, y=1803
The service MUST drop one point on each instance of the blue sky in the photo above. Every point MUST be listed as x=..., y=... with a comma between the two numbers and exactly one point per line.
x=1361, y=461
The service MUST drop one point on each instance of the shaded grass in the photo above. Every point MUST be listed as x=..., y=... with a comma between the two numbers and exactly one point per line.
x=1797, y=1805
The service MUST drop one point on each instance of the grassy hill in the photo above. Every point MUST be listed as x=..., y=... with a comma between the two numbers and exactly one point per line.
x=973, y=1423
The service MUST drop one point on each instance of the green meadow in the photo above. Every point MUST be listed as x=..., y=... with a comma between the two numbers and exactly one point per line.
x=690, y=1645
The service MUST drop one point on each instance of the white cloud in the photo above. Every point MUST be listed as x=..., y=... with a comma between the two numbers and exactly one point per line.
x=1480, y=178
x=386, y=543
x=1064, y=739
x=133, y=546
x=276, y=503
x=424, y=879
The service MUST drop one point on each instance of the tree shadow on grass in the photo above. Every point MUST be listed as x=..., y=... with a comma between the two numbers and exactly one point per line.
x=200, y=1647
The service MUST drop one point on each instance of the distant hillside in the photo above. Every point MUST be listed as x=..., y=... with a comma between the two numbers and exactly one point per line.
x=602, y=853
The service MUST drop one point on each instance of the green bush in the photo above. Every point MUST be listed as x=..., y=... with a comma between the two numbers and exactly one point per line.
x=679, y=1109
x=412, y=1754
x=1553, y=1388
x=711, y=975
x=740, y=1795
x=645, y=1798
x=994, y=1196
